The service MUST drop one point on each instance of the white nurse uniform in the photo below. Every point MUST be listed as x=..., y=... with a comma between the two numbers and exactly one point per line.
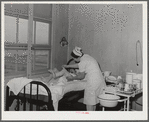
x=95, y=81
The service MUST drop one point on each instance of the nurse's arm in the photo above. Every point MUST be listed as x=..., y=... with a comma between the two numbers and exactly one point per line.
x=71, y=66
x=79, y=76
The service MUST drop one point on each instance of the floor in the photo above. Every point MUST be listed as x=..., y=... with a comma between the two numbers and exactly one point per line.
x=82, y=107
x=76, y=106
x=79, y=106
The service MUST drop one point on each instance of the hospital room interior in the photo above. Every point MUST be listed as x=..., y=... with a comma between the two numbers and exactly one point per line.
x=39, y=37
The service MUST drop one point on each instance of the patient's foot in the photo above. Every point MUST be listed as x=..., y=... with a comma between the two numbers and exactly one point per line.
x=52, y=73
x=55, y=70
x=50, y=70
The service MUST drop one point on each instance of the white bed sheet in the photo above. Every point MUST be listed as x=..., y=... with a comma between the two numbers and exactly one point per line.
x=57, y=91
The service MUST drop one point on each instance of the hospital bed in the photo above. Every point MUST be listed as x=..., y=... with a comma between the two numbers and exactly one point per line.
x=36, y=95
x=32, y=97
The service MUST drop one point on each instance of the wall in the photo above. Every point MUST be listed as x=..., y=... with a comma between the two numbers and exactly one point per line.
x=109, y=33
x=60, y=29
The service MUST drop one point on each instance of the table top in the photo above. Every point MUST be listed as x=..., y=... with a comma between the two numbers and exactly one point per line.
x=123, y=93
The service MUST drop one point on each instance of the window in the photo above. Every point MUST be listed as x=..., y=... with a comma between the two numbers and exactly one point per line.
x=41, y=46
x=42, y=38
x=22, y=31
x=10, y=29
x=16, y=36
x=40, y=60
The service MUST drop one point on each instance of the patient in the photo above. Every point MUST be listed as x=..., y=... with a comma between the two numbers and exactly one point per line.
x=59, y=77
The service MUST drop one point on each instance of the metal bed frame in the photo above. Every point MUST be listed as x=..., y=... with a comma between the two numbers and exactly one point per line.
x=31, y=99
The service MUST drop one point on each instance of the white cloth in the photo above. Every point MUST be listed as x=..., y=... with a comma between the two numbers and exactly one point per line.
x=76, y=85
x=95, y=81
x=16, y=84
x=59, y=81
x=57, y=91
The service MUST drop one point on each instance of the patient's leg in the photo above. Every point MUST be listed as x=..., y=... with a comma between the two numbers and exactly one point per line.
x=50, y=77
x=55, y=70
x=46, y=80
x=57, y=73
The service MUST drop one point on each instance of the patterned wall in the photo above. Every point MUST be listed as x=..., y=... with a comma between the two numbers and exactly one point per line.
x=109, y=33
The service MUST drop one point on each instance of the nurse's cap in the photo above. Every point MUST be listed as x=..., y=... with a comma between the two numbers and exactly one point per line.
x=77, y=51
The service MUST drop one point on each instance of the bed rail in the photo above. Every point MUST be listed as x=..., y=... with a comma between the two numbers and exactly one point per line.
x=22, y=98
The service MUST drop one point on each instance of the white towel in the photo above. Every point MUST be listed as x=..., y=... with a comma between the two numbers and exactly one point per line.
x=56, y=89
x=16, y=84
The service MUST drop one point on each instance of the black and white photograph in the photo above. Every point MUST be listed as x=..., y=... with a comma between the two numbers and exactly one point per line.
x=74, y=60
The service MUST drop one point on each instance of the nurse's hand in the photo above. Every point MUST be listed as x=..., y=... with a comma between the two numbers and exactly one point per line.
x=69, y=78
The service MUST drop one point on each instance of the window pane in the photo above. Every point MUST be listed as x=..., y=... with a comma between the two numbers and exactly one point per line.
x=42, y=33
x=40, y=60
x=23, y=26
x=22, y=60
x=15, y=61
x=10, y=61
x=41, y=8
x=10, y=29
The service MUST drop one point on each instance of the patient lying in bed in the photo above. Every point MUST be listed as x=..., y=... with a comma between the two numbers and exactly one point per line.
x=59, y=77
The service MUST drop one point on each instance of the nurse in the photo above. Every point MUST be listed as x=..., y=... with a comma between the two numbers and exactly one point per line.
x=89, y=69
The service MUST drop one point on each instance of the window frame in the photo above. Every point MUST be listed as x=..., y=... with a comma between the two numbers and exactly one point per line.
x=34, y=47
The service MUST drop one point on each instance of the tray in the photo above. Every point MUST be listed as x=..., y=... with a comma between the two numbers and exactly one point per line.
x=126, y=92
